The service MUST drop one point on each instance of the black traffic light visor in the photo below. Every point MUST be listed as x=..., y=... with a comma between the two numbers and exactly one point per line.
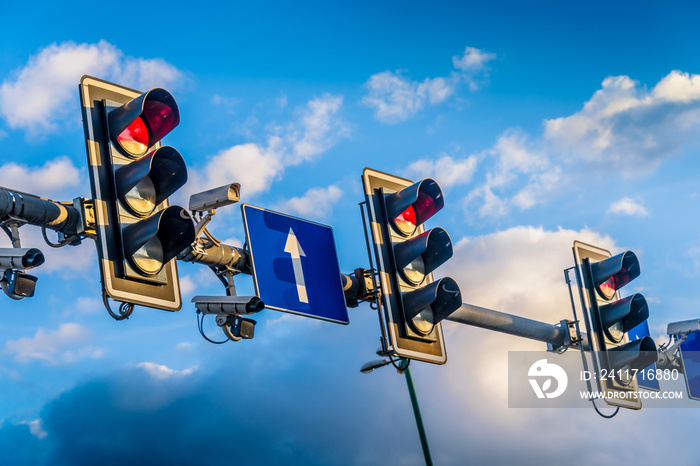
x=412, y=206
x=638, y=354
x=612, y=274
x=155, y=109
x=622, y=316
x=417, y=257
x=173, y=228
x=440, y=298
x=159, y=174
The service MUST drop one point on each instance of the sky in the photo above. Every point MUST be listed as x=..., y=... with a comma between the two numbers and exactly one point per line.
x=544, y=123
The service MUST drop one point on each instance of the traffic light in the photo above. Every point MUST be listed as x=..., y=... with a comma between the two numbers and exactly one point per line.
x=406, y=257
x=132, y=176
x=608, y=319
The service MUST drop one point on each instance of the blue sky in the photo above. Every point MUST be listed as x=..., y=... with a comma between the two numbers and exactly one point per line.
x=544, y=123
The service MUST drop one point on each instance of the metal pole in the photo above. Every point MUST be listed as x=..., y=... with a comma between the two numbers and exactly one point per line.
x=419, y=419
x=508, y=323
x=40, y=212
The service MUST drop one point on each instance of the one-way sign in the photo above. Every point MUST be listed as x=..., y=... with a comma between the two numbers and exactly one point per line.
x=295, y=265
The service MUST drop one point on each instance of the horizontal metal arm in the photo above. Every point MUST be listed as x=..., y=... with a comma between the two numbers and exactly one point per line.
x=39, y=212
x=510, y=324
x=205, y=251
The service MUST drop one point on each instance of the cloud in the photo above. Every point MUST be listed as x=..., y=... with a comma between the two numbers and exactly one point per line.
x=623, y=128
x=54, y=177
x=317, y=129
x=445, y=170
x=521, y=175
x=54, y=346
x=396, y=98
x=504, y=270
x=627, y=206
x=36, y=428
x=160, y=371
x=317, y=126
x=316, y=203
x=39, y=95
x=82, y=423
x=472, y=60
x=629, y=128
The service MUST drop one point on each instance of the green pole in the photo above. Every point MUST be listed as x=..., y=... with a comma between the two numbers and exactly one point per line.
x=416, y=413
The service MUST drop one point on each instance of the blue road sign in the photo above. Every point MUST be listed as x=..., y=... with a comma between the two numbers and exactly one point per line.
x=690, y=354
x=295, y=265
x=643, y=379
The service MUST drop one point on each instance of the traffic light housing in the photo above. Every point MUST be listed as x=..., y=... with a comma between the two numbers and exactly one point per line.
x=413, y=301
x=132, y=175
x=608, y=319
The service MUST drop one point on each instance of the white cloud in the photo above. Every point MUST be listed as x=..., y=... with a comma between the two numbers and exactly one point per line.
x=36, y=427
x=316, y=203
x=54, y=346
x=626, y=127
x=506, y=270
x=254, y=166
x=521, y=172
x=396, y=98
x=628, y=206
x=50, y=179
x=160, y=372
x=184, y=346
x=41, y=94
x=316, y=128
x=445, y=170
x=623, y=128
x=472, y=60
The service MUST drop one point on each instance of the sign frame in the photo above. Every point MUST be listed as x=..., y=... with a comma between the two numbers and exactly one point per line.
x=314, y=285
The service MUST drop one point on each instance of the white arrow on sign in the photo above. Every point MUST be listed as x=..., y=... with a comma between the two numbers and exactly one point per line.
x=294, y=249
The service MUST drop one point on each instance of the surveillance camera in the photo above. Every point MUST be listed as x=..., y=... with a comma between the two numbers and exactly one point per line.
x=236, y=327
x=20, y=258
x=683, y=328
x=229, y=305
x=215, y=198
x=18, y=285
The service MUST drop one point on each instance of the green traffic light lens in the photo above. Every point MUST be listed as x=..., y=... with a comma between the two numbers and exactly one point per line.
x=149, y=257
x=141, y=199
x=134, y=139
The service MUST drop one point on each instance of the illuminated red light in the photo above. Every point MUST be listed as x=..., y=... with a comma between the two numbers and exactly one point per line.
x=134, y=139
x=607, y=288
x=406, y=221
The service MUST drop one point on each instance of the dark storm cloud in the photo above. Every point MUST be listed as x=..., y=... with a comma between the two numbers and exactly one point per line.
x=272, y=408
x=18, y=446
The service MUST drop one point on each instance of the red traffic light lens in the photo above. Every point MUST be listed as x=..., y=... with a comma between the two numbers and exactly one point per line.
x=140, y=123
x=161, y=118
x=424, y=208
x=406, y=221
x=607, y=288
x=134, y=139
